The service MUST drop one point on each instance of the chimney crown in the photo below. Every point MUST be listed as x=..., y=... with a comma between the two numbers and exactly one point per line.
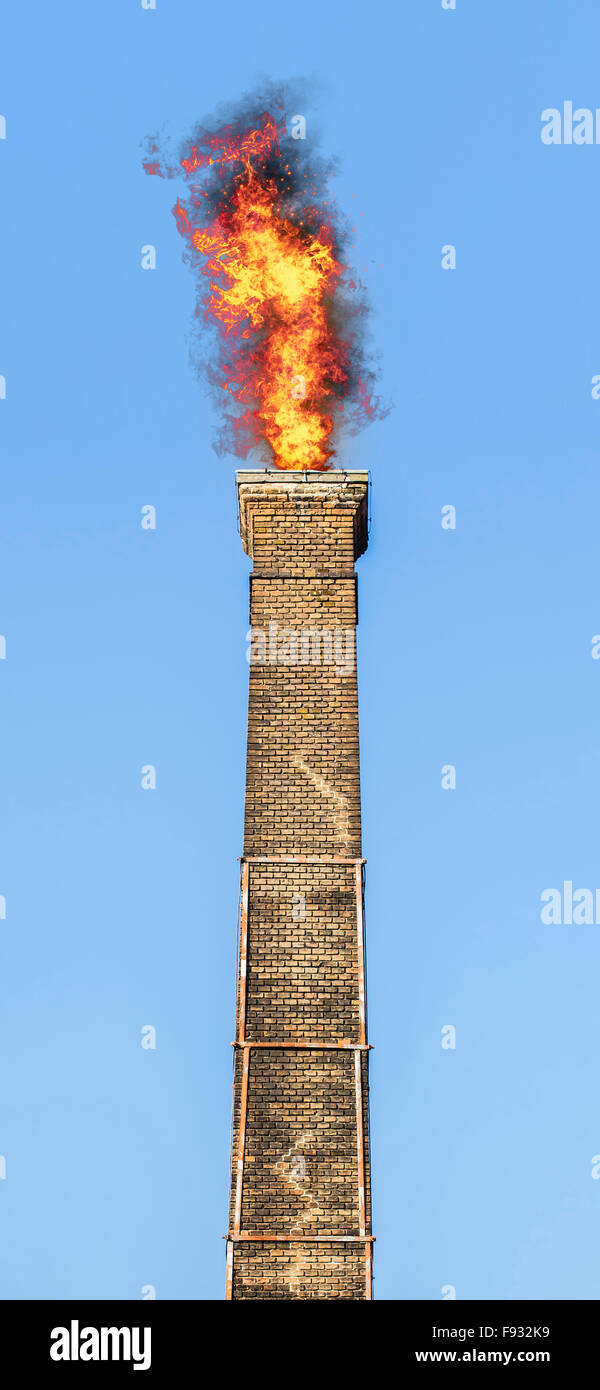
x=282, y=517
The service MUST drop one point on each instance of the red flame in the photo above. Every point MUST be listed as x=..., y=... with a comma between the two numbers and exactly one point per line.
x=269, y=278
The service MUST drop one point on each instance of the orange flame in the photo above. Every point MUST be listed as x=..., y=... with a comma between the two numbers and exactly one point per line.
x=270, y=280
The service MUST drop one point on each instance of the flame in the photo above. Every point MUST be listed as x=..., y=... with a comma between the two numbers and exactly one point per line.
x=269, y=277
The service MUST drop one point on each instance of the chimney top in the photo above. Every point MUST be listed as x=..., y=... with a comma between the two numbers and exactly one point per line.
x=295, y=475
x=336, y=487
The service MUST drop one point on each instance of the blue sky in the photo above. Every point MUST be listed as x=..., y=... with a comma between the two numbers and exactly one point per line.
x=126, y=647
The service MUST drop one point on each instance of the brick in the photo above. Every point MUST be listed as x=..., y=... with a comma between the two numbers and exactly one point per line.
x=298, y=1111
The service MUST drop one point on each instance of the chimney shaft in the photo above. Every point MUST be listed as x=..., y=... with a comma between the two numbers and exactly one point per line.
x=300, y=1221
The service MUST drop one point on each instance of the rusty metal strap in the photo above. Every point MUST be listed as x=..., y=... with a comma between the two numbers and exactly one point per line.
x=303, y=1240
x=322, y=578
x=323, y=1046
x=296, y=859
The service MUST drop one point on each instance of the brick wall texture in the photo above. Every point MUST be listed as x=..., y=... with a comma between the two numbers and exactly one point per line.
x=300, y=1138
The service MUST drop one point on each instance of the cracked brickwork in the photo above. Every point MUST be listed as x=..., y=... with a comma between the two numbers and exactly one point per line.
x=300, y=1150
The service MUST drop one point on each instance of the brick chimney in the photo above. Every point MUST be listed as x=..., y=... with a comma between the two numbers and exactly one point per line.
x=300, y=1210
